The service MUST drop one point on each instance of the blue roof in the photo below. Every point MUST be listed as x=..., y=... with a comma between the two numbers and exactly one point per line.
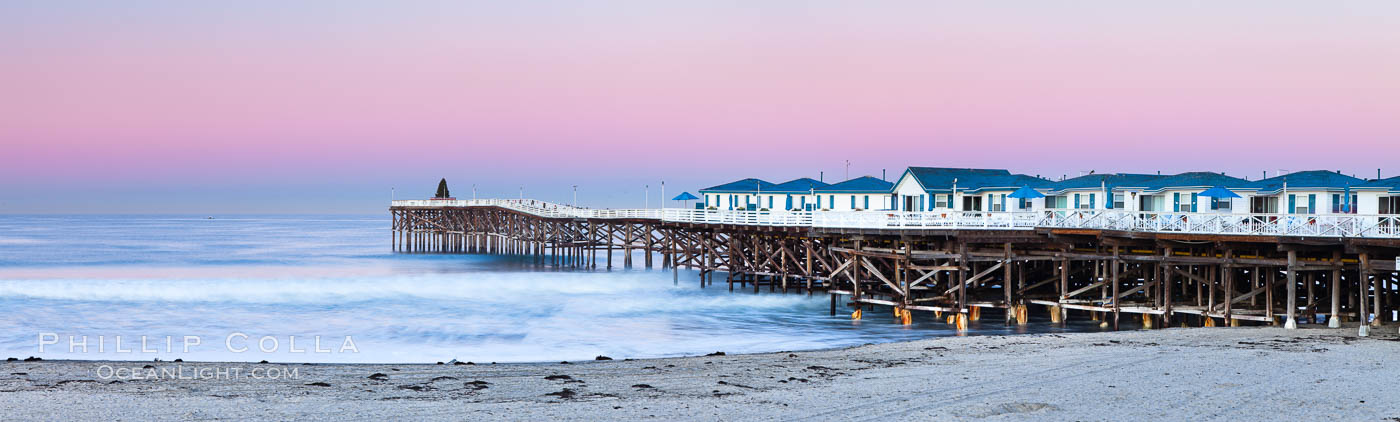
x=865, y=184
x=1393, y=184
x=1098, y=181
x=940, y=179
x=803, y=185
x=742, y=186
x=1198, y=179
x=1311, y=180
x=1026, y=192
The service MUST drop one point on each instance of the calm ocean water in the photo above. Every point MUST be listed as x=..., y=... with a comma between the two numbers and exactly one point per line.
x=258, y=284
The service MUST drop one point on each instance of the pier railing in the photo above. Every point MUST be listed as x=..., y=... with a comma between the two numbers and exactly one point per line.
x=1309, y=225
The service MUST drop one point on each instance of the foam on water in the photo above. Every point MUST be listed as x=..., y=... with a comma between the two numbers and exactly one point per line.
x=303, y=277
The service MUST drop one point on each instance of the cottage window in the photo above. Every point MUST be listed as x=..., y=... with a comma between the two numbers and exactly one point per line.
x=1340, y=206
x=940, y=201
x=1389, y=205
x=1118, y=201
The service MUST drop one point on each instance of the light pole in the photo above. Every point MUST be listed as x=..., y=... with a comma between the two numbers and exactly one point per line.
x=953, y=198
x=663, y=194
x=391, y=194
x=848, y=169
x=522, y=192
x=473, y=191
x=575, y=196
x=646, y=197
x=759, y=188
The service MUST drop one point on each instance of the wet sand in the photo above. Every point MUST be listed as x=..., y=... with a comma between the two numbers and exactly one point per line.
x=1171, y=374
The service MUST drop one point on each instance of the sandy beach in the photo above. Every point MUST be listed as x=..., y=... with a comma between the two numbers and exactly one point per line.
x=1172, y=374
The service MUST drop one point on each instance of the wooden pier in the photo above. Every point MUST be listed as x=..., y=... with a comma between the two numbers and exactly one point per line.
x=1161, y=278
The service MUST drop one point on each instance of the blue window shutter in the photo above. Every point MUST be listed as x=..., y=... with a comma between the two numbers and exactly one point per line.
x=853, y=202
x=867, y=202
x=1003, y=202
x=1108, y=200
x=1091, y=200
x=789, y=201
x=1292, y=203
x=921, y=202
x=1176, y=201
x=1193, y=202
x=1312, y=203
x=1076, y=200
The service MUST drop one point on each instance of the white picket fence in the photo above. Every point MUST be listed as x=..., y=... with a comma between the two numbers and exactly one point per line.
x=1311, y=225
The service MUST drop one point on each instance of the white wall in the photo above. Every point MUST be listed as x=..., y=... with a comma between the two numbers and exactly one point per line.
x=878, y=201
x=1369, y=202
x=908, y=186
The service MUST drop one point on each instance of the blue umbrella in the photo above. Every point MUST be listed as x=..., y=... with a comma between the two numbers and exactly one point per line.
x=1346, y=199
x=684, y=196
x=1219, y=192
x=1025, y=192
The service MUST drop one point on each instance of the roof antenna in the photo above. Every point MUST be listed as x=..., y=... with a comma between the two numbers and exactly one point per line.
x=882, y=175
x=821, y=176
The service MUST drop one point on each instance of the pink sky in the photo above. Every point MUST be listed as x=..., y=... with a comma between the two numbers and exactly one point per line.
x=324, y=106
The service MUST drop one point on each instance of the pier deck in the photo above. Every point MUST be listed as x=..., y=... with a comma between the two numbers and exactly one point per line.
x=1166, y=268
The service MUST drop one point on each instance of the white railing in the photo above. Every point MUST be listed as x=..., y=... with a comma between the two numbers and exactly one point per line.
x=1311, y=225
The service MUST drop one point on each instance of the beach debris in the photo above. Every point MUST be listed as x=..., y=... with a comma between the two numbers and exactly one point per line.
x=179, y=360
x=735, y=385
x=563, y=394
x=148, y=367
x=558, y=377
x=642, y=386
x=378, y=376
x=442, y=378
x=564, y=362
x=19, y=373
x=318, y=384
x=716, y=354
x=262, y=361
x=439, y=363
x=417, y=387
x=601, y=357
